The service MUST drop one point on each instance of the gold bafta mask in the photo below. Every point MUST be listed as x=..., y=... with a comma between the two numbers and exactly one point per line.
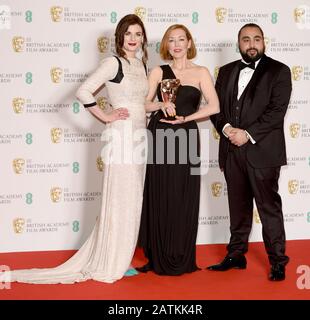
x=216, y=136
x=56, y=135
x=56, y=12
x=140, y=12
x=293, y=186
x=220, y=14
x=296, y=72
x=216, y=72
x=18, y=165
x=18, y=225
x=299, y=15
x=256, y=216
x=18, y=104
x=100, y=164
x=56, y=74
x=56, y=194
x=216, y=189
x=102, y=43
x=294, y=130
x=18, y=44
x=102, y=103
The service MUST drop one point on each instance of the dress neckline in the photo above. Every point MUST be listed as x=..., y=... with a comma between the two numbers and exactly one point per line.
x=183, y=85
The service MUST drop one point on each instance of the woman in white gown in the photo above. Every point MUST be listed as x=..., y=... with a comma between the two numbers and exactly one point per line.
x=107, y=253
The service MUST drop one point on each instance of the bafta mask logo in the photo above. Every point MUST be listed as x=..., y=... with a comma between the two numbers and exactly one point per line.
x=103, y=44
x=294, y=130
x=56, y=194
x=256, y=216
x=18, y=104
x=220, y=14
x=293, y=186
x=216, y=72
x=102, y=103
x=100, y=164
x=216, y=189
x=140, y=12
x=56, y=74
x=18, y=44
x=299, y=15
x=216, y=135
x=18, y=225
x=56, y=13
x=56, y=134
x=297, y=72
x=18, y=165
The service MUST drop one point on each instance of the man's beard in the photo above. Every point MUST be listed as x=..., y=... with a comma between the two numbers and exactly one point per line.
x=248, y=58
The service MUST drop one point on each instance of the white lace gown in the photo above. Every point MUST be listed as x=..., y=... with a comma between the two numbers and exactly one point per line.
x=108, y=251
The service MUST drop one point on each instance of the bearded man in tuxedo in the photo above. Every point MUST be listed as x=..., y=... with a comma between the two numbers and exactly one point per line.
x=254, y=93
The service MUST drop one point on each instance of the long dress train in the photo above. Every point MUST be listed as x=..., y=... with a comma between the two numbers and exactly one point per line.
x=108, y=251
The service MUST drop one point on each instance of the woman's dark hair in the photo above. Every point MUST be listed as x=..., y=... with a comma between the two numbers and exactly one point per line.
x=120, y=31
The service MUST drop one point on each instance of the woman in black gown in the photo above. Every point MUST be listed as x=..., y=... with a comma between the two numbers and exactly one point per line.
x=169, y=220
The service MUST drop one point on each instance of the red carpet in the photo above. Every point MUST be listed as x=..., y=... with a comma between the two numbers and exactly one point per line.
x=248, y=284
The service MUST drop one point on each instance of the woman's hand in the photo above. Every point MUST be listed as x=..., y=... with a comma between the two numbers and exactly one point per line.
x=178, y=120
x=168, y=108
x=117, y=114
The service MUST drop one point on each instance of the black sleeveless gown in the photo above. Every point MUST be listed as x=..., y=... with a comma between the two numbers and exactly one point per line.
x=170, y=210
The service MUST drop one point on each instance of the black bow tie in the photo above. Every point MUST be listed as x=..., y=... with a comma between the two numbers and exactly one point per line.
x=247, y=65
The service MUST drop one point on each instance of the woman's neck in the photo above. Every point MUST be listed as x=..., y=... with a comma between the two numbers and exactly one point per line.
x=181, y=64
x=130, y=54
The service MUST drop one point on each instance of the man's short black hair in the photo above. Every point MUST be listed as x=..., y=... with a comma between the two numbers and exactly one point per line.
x=251, y=25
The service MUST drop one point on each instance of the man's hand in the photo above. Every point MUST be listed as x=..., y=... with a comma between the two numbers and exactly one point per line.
x=228, y=130
x=237, y=136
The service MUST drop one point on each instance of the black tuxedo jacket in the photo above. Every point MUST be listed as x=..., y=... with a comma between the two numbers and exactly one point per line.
x=264, y=106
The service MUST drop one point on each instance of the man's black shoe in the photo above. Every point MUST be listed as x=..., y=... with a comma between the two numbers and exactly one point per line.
x=229, y=263
x=277, y=272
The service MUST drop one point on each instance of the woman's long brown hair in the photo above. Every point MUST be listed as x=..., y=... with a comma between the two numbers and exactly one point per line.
x=120, y=31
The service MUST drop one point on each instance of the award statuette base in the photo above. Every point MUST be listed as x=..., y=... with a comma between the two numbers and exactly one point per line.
x=169, y=118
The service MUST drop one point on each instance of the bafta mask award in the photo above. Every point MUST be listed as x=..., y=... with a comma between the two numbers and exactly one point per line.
x=169, y=88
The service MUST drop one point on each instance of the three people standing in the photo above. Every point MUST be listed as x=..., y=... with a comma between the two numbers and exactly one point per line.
x=247, y=108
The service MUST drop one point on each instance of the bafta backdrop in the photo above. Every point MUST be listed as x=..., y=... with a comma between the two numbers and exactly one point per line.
x=50, y=164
